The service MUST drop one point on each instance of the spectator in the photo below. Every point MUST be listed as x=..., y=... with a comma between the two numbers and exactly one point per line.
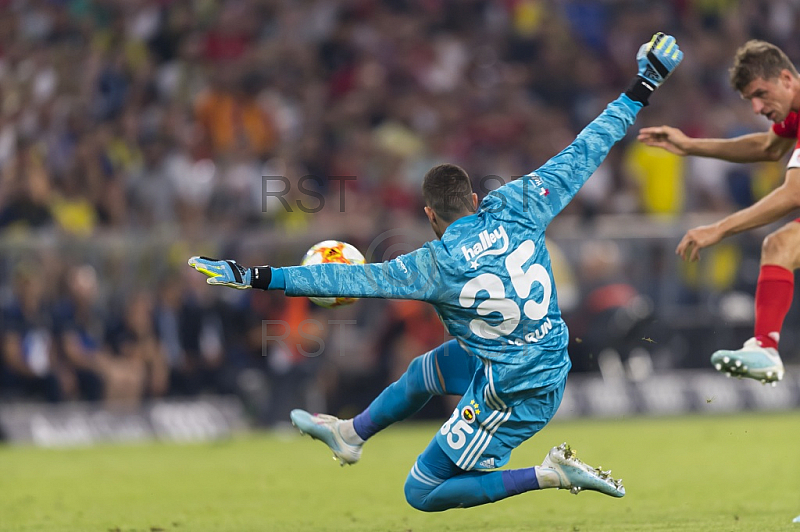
x=233, y=121
x=82, y=328
x=26, y=202
x=150, y=191
x=191, y=327
x=30, y=363
x=141, y=369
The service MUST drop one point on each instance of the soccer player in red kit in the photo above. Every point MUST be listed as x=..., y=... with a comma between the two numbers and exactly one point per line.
x=762, y=74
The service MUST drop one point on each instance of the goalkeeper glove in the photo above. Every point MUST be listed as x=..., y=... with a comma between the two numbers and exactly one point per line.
x=657, y=59
x=232, y=274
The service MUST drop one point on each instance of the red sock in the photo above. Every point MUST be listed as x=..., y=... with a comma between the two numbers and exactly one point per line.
x=773, y=299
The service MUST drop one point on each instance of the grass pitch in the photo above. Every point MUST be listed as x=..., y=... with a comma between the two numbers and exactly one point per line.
x=737, y=473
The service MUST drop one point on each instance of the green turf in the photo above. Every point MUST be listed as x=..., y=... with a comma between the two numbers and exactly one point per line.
x=738, y=473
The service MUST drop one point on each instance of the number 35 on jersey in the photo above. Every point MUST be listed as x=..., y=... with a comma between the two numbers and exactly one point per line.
x=522, y=281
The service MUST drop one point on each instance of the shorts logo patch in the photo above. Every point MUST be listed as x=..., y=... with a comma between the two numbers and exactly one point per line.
x=470, y=412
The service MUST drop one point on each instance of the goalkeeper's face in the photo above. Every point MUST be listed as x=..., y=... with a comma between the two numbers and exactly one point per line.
x=773, y=98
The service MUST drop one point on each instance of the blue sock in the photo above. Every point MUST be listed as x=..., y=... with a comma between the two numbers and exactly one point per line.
x=402, y=398
x=518, y=481
x=436, y=484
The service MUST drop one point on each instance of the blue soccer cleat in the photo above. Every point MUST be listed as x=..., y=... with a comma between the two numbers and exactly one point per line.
x=576, y=476
x=752, y=361
x=325, y=428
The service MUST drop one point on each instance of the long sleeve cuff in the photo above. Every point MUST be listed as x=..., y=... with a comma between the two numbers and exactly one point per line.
x=278, y=281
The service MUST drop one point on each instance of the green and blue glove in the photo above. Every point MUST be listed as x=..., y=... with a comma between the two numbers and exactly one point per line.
x=232, y=274
x=656, y=59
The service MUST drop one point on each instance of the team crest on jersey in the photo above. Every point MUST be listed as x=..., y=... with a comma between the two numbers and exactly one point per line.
x=487, y=244
x=470, y=412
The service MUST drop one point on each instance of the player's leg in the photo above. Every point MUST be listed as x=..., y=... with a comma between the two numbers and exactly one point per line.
x=759, y=358
x=435, y=483
x=780, y=256
x=448, y=369
x=477, y=435
x=429, y=488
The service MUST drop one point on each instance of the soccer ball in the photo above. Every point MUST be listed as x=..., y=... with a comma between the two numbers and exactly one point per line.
x=338, y=252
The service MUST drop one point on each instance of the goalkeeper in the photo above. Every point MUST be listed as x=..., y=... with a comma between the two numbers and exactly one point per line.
x=489, y=277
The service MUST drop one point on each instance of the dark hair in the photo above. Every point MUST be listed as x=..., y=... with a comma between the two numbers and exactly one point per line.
x=758, y=59
x=447, y=190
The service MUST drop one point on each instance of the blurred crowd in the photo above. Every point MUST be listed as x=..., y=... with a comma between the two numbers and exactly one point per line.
x=204, y=119
x=65, y=338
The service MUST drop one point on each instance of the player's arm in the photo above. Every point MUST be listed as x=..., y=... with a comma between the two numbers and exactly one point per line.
x=766, y=146
x=411, y=276
x=768, y=209
x=545, y=192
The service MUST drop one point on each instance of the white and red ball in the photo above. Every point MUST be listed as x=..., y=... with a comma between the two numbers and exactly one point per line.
x=333, y=251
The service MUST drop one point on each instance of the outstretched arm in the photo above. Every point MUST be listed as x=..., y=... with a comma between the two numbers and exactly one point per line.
x=766, y=146
x=768, y=209
x=411, y=276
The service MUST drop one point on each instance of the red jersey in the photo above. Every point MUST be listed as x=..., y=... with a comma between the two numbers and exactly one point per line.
x=788, y=128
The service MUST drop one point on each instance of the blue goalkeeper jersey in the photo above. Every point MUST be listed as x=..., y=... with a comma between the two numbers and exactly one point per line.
x=489, y=277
